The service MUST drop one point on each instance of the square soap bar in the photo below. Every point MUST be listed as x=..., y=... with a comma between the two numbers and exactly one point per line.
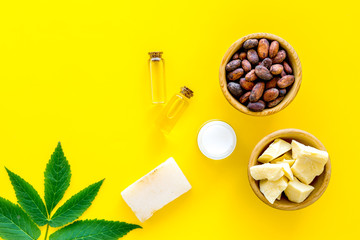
x=156, y=189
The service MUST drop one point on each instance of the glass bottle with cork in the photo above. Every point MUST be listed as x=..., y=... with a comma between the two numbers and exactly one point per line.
x=174, y=109
x=157, y=75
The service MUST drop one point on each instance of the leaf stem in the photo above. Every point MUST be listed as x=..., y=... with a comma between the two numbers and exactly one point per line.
x=47, y=230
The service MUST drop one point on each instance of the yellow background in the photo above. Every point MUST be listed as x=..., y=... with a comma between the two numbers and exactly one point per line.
x=76, y=72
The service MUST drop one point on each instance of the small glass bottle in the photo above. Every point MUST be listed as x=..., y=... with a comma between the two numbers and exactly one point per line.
x=174, y=109
x=156, y=64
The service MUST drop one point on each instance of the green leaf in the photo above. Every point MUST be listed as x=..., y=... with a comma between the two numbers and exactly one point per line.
x=57, y=178
x=29, y=199
x=75, y=206
x=94, y=229
x=15, y=224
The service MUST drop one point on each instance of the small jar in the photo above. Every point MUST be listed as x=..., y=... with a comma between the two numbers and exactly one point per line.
x=216, y=139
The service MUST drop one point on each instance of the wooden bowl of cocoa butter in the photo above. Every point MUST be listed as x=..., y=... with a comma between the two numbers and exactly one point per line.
x=320, y=183
x=247, y=91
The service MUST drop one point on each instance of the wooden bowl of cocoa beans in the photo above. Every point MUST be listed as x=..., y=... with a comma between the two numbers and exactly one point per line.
x=260, y=74
x=320, y=183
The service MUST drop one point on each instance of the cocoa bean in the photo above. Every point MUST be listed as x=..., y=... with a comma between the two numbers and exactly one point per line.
x=250, y=43
x=274, y=48
x=236, y=74
x=263, y=48
x=282, y=92
x=267, y=62
x=235, y=56
x=246, y=84
x=232, y=65
x=271, y=94
x=286, y=81
x=276, y=69
x=280, y=57
x=275, y=102
x=234, y=89
x=242, y=55
x=263, y=73
x=244, y=98
x=251, y=76
x=272, y=83
x=287, y=68
x=256, y=106
x=253, y=57
x=257, y=92
x=246, y=65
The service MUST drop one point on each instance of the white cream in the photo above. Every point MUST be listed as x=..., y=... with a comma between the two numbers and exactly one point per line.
x=216, y=140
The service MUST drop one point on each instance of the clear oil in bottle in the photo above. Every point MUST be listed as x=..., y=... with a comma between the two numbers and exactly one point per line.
x=174, y=109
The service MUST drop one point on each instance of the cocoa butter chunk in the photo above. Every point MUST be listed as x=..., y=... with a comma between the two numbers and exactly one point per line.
x=236, y=74
x=256, y=106
x=234, y=64
x=235, y=89
x=263, y=73
x=250, y=43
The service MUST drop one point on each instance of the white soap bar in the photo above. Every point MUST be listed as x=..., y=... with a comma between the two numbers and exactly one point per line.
x=156, y=189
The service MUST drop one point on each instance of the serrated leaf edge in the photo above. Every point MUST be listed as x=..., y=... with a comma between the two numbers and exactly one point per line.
x=53, y=204
x=17, y=206
x=74, y=196
x=135, y=226
x=45, y=216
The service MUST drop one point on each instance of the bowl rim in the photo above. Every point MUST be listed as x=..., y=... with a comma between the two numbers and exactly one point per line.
x=295, y=63
x=259, y=148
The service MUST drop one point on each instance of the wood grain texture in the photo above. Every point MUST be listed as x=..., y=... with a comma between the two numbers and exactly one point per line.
x=320, y=183
x=294, y=61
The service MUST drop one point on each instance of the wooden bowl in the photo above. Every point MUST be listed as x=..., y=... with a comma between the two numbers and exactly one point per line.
x=320, y=182
x=294, y=62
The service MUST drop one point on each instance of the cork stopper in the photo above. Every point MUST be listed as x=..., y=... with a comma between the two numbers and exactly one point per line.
x=187, y=92
x=155, y=54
